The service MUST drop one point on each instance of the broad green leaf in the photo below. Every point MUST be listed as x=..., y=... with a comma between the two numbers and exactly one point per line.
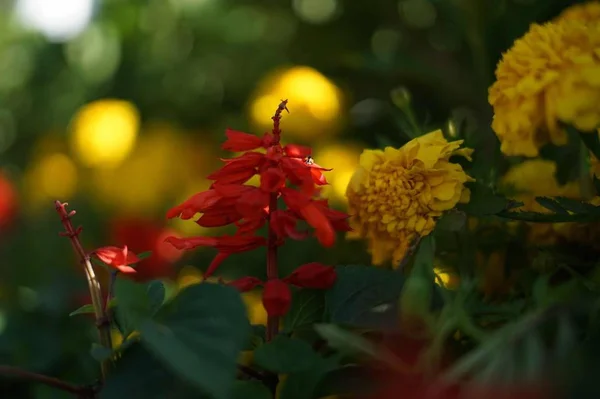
x=303, y=385
x=452, y=221
x=307, y=308
x=133, y=305
x=250, y=390
x=483, y=201
x=200, y=336
x=285, y=355
x=551, y=205
x=365, y=296
x=140, y=375
x=156, y=295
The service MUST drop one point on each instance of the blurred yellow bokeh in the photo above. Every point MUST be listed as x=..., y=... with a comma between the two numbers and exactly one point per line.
x=164, y=161
x=343, y=159
x=52, y=176
x=315, y=103
x=104, y=132
x=446, y=278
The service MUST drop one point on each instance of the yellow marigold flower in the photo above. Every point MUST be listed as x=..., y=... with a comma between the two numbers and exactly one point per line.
x=550, y=75
x=586, y=12
x=536, y=178
x=395, y=195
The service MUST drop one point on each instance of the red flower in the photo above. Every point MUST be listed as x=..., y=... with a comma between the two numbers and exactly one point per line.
x=277, y=297
x=230, y=201
x=245, y=284
x=312, y=275
x=117, y=258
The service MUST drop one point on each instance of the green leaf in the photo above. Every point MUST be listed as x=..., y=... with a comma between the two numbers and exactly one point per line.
x=133, y=305
x=85, y=309
x=144, y=255
x=566, y=338
x=576, y=206
x=303, y=385
x=551, y=205
x=200, y=336
x=138, y=374
x=285, y=355
x=250, y=390
x=352, y=344
x=89, y=308
x=533, y=357
x=452, y=221
x=483, y=201
x=365, y=296
x=156, y=295
x=257, y=337
x=424, y=257
x=100, y=353
x=307, y=308
x=590, y=139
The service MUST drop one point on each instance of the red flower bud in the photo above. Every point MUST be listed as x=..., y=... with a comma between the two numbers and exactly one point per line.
x=245, y=284
x=313, y=275
x=277, y=297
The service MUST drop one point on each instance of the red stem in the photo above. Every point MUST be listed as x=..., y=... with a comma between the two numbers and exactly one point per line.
x=272, y=273
x=102, y=322
x=80, y=391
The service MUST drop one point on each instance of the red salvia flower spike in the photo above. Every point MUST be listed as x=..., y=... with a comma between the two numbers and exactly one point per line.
x=297, y=151
x=313, y=275
x=277, y=298
x=245, y=284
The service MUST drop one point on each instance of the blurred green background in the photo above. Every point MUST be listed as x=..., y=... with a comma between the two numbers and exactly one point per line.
x=119, y=108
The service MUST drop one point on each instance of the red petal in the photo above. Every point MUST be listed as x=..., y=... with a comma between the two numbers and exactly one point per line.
x=313, y=275
x=219, y=217
x=191, y=242
x=216, y=262
x=245, y=284
x=277, y=298
x=293, y=199
x=284, y=224
x=232, y=173
x=252, y=204
x=297, y=151
x=323, y=229
x=197, y=203
x=240, y=141
x=272, y=179
x=318, y=177
x=250, y=225
x=231, y=190
x=231, y=244
x=115, y=256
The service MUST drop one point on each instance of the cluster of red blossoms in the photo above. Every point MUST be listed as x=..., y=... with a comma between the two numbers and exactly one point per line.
x=286, y=172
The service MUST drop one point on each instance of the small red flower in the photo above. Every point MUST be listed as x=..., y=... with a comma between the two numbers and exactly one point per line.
x=277, y=298
x=312, y=275
x=117, y=258
x=245, y=284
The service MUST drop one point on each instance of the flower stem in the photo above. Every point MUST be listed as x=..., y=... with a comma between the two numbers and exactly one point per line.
x=79, y=391
x=272, y=273
x=93, y=284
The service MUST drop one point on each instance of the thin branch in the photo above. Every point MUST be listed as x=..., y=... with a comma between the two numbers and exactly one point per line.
x=93, y=284
x=79, y=391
